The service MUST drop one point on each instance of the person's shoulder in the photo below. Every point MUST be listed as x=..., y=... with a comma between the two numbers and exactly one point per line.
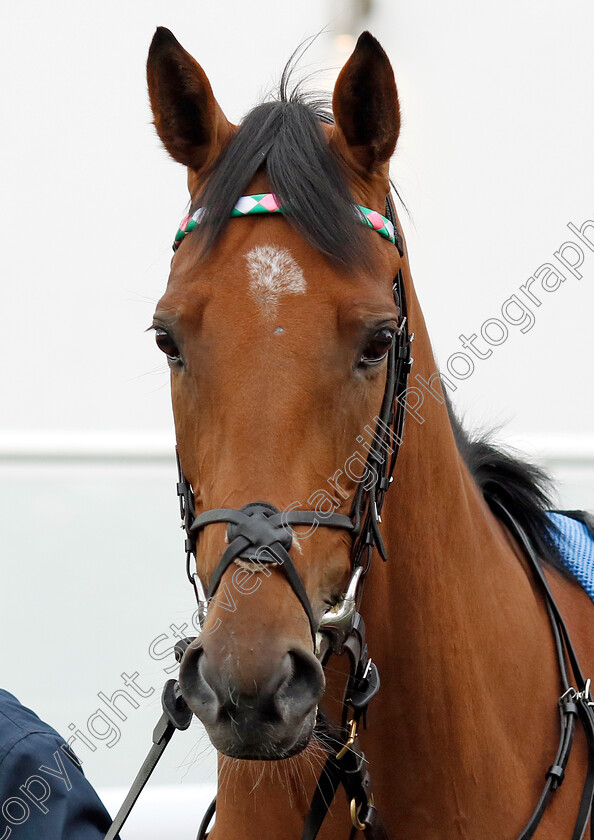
x=17, y=723
x=42, y=780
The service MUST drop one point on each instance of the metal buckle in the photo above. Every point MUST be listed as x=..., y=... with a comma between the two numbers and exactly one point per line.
x=361, y=826
x=585, y=696
x=376, y=513
x=571, y=694
x=349, y=741
x=355, y=816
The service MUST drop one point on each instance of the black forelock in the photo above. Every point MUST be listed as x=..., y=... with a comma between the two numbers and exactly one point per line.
x=285, y=139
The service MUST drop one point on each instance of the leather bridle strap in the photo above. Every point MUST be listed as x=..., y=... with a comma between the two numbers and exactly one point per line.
x=346, y=764
x=348, y=768
x=385, y=446
x=574, y=704
x=260, y=534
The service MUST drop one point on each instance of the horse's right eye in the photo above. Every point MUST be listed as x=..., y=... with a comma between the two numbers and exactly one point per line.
x=377, y=347
x=167, y=345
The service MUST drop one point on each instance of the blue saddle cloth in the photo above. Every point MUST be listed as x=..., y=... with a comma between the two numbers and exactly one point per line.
x=575, y=543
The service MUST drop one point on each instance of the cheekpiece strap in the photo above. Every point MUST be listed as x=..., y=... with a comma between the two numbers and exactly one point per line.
x=253, y=205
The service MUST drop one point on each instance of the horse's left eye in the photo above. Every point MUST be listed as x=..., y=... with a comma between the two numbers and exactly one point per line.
x=167, y=345
x=377, y=347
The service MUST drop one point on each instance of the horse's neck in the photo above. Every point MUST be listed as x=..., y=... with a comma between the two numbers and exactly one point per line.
x=464, y=725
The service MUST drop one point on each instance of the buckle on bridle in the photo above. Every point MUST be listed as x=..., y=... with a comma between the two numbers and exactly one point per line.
x=574, y=696
x=355, y=816
x=586, y=695
x=355, y=811
x=352, y=724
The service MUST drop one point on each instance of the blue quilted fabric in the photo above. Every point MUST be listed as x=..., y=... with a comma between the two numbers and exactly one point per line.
x=576, y=548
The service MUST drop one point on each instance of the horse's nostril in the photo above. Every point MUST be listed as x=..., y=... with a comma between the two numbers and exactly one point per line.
x=208, y=677
x=304, y=684
x=283, y=675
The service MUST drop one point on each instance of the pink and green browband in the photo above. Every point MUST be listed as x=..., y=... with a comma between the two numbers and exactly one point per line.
x=252, y=205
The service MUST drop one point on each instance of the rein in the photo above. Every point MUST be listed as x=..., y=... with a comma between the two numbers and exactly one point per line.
x=574, y=703
x=261, y=534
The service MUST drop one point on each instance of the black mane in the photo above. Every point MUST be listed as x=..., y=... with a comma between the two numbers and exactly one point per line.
x=522, y=487
x=284, y=138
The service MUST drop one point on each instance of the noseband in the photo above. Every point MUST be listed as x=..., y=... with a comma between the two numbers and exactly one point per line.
x=260, y=534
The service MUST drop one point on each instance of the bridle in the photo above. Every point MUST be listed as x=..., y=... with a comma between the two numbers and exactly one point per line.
x=262, y=535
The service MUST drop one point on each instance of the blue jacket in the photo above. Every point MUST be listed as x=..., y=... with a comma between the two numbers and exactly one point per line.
x=44, y=794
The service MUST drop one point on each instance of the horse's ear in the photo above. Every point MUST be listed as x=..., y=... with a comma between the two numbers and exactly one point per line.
x=188, y=118
x=365, y=105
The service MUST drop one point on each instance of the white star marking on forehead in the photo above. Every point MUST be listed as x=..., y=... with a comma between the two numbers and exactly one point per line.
x=273, y=272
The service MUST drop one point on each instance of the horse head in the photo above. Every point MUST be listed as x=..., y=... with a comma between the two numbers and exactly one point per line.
x=277, y=328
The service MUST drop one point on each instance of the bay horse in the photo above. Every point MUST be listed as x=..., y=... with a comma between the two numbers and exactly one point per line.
x=280, y=330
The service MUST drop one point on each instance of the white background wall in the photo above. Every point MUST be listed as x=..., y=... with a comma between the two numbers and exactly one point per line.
x=494, y=160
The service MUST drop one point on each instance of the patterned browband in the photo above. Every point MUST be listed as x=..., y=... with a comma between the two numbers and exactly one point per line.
x=252, y=205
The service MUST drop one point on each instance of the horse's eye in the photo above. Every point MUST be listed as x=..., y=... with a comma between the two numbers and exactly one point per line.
x=167, y=344
x=377, y=347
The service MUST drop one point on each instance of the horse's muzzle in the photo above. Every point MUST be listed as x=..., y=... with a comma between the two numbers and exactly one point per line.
x=265, y=719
